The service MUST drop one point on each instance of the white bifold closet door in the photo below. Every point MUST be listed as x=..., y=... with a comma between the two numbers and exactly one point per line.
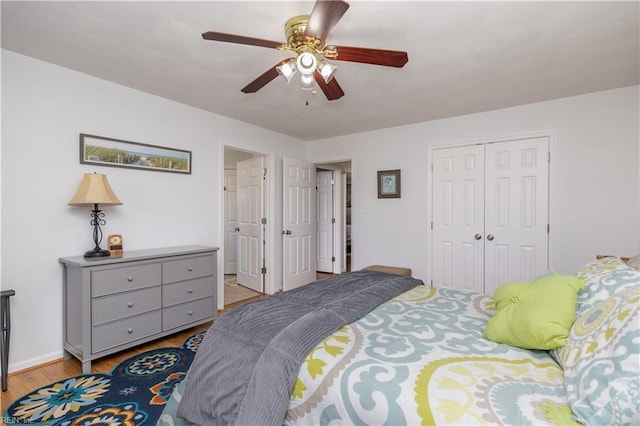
x=490, y=212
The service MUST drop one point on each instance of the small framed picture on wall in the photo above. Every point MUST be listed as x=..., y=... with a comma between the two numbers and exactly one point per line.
x=389, y=183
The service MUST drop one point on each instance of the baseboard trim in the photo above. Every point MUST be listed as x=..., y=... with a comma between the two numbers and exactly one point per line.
x=23, y=366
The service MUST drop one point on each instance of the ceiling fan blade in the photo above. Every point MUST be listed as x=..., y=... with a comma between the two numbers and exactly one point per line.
x=264, y=79
x=331, y=90
x=232, y=38
x=324, y=16
x=387, y=58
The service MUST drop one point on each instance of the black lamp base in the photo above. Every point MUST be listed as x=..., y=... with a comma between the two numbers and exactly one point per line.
x=97, y=252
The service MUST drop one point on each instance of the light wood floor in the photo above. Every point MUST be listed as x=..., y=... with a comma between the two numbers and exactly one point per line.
x=27, y=380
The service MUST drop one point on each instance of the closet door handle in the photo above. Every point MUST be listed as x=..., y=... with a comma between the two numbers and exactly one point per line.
x=477, y=237
x=490, y=237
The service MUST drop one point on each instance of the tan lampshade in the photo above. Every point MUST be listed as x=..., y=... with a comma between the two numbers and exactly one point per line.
x=94, y=189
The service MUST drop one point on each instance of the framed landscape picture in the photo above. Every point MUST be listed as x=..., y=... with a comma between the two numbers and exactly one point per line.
x=111, y=152
x=389, y=183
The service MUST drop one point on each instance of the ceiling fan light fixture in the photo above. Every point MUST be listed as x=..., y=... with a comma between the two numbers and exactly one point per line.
x=287, y=70
x=326, y=70
x=306, y=35
x=306, y=62
x=307, y=82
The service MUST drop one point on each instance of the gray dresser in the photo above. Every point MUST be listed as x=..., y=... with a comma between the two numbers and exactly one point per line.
x=114, y=303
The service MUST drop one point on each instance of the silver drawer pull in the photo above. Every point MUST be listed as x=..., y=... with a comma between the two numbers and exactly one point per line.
x=190, y=313
x=130, y=304
x=189, y=269
x=190, y=290
x=130, y=279
x=130, y=330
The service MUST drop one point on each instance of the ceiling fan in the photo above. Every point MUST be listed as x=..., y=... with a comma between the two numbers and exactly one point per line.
x=306, y=36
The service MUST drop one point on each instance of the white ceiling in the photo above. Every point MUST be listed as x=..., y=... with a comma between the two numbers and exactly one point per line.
x=464, y=57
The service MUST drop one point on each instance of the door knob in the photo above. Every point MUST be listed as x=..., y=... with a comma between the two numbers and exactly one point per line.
x=237, y=228
x=287, y=232
x=477, y=237
x=490, y=237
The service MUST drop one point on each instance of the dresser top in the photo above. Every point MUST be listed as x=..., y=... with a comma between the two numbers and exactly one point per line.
x=133, y=255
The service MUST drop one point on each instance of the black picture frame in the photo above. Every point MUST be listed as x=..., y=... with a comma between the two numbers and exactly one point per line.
x=110, y=152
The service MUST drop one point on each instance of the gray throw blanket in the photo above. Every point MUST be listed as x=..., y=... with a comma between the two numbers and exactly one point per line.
x=248, y=361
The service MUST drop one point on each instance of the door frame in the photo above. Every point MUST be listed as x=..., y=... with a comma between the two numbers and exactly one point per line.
x=553, y=215
x=269, y=210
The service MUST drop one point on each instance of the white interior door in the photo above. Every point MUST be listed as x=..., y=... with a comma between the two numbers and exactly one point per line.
x=250, y=213
x=458, y=218
x=299, y=223
x=325, y=221
x=516, y=211
x=230, y=221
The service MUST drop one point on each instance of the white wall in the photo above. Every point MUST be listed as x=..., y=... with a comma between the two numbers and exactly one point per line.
x=44, y=108
x=595, y=193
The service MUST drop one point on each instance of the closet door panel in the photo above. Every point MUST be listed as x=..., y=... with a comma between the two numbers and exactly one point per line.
x=516, y=211
x=458, y=218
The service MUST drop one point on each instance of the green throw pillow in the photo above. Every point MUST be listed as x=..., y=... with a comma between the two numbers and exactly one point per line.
x=536, y=314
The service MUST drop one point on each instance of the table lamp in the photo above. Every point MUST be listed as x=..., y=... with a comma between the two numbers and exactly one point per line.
x=94, y=190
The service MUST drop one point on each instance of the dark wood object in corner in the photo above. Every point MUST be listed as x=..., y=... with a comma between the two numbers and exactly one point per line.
x=5, y=322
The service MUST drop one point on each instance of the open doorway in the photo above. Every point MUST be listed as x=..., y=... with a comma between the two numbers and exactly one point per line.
x=244, y=220
x=334, y=217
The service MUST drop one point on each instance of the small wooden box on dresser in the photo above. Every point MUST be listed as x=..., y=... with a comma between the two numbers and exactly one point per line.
x=115, y=303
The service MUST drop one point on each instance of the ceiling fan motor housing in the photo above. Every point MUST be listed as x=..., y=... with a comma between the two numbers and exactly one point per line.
x=294, y=30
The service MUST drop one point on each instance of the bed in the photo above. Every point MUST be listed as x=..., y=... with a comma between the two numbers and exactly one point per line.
x=420, y=355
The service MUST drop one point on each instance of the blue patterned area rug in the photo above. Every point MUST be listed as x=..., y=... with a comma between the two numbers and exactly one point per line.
x=134, y=393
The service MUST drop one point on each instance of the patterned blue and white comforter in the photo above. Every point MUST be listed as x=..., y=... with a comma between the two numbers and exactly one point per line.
x=421, y=359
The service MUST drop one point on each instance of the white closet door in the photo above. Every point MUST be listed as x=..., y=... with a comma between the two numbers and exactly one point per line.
x=490, y=214
x=458, y=217
x=516, y=211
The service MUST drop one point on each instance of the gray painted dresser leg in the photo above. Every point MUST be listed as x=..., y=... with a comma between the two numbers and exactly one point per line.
x=86, y=367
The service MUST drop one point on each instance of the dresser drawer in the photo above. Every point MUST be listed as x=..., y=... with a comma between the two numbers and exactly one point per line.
x=187, y=268
x=117, y=306
x=185, y=313
x=123, y=279
x=185, y=291
x=127, y=330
